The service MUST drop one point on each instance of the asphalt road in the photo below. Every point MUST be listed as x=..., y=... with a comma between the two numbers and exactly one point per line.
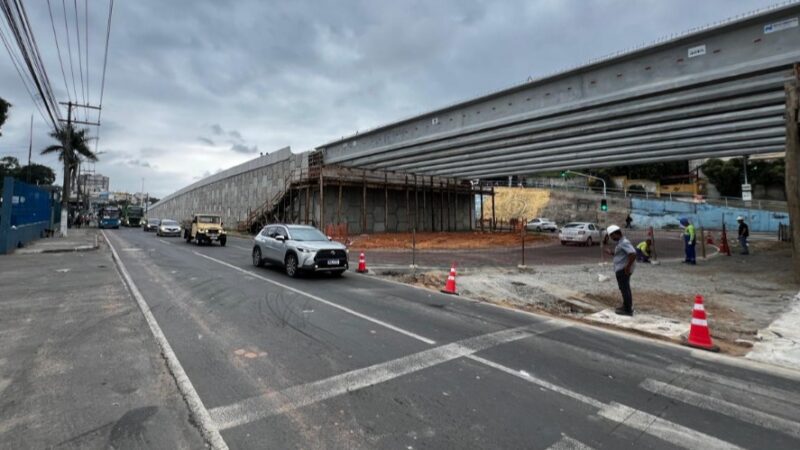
x=358, y=362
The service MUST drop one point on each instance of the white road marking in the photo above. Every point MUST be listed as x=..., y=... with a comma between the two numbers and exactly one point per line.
x=163, y=241
x=206, y=425
x=640, y=420
x=729, y=409
x=540, y=382
x=663, y=429
x=567, y=443
x=322, y=300
x=274, y=403
x=742, y=386
x=240, y=247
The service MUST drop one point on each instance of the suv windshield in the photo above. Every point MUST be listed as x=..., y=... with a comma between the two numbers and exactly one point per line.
x=208, y=219
x=307, y=234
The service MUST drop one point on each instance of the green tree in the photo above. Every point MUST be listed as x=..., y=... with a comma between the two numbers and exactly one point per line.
x=4, y=105
x=725, y=175
x=71, y=147
x=36, y=174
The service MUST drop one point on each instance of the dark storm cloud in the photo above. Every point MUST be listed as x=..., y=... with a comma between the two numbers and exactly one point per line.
x=241, y=148
x=254, y=74
x=217, y=130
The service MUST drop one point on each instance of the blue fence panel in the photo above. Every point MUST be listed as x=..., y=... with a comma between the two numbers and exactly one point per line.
x=29, y=204
x=664, y=213
x=24, y=215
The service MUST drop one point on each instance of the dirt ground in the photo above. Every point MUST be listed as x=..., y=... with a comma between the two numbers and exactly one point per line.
x=445, y=241
x=742, y=294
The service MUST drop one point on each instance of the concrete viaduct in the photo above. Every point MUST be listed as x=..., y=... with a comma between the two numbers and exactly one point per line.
x=725, y=90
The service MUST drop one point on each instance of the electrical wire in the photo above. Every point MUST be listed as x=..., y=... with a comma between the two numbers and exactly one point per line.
x=58, y=49
x=80, y=57
x=17, y=65
x=103, y=77
x=69, y=49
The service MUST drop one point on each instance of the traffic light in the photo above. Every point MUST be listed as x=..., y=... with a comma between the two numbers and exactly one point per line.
x=604, y=205
x=563, y=174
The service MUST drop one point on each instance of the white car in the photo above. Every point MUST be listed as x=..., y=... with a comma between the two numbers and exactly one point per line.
x=541, y=224
x=585, y=233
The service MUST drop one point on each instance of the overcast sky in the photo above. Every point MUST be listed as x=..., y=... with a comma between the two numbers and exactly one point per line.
x=193, y=87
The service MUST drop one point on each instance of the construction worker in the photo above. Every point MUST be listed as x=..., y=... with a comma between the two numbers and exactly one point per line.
x=624, y=261
x=689, y=241
x=643, y=251
x=744, y=233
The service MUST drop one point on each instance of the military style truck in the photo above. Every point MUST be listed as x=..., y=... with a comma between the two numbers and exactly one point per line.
x=204, y=229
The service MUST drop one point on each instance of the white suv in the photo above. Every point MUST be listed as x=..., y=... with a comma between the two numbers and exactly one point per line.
x=299, y=248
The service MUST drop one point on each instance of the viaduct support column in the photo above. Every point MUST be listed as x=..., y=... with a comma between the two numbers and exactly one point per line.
x=793, y=165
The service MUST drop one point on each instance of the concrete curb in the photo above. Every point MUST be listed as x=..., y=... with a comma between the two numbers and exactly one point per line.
x=202, y=418
x=79, y=248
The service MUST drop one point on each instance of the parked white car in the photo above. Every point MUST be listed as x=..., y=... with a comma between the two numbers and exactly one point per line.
x=585, y=233
x=541, y=224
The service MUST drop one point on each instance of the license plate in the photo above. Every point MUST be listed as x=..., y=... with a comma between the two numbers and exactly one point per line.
x=333, y=262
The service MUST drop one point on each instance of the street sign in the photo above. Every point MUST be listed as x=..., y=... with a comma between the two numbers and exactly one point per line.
x=747, y=192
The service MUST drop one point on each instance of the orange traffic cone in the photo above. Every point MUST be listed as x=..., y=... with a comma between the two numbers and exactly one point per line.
x=362, y=264
x=450, y=285
x=699, y=335
x=723, y=241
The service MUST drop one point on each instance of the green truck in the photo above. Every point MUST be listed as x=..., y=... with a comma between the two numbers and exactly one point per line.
x=132, y=216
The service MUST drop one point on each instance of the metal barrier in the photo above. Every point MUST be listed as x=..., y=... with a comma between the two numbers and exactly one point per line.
x=26, y=214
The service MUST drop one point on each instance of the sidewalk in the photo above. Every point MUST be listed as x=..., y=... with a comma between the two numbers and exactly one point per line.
x=77, y=240
x=78, y=365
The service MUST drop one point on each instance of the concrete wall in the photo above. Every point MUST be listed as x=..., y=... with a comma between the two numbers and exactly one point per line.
x=400, y=217
x=661, y=213
x=232, y=193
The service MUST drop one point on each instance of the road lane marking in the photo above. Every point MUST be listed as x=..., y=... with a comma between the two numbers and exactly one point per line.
x=196, y=406
x=567, y=443
x=724, y=407
x=663, y=429
x=163, y=241
x=640, y=420
x=540, y=382
x=742, y=386
x=295, y=397
x=322, y=300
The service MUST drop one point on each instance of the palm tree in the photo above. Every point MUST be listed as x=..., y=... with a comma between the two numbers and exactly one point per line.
x=72, y=145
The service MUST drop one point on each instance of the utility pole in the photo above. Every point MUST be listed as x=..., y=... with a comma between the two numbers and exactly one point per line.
x=68, y=161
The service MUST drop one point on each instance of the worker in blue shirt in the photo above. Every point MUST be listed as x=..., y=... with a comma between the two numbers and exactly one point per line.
x=689, y=241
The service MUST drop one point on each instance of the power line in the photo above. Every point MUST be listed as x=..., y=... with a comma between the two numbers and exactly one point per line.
x=20, y=29
x=80, y=57
x=103, y=78
x=86, y=24
x=58, y=49
x=18, y=66
x=69, y=49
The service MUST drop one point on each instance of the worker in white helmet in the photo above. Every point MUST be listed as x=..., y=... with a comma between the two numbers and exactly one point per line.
x=744, y=233
x=624, y=261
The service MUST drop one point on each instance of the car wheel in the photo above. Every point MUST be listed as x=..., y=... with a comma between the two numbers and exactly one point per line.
x=257, y=261
x=589, y=242
x=291, y=265
x=538, y=229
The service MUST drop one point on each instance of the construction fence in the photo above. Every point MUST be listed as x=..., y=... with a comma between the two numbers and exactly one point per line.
x=27, y=213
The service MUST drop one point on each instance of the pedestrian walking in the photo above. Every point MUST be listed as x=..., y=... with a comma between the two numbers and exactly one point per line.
x=643, y=251
x=624, y=261
x=744, y=233
x=628, y=221
x=689, y=241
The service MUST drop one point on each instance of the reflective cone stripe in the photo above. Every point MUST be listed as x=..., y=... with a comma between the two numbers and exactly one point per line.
x=362, y=264
x=450, y=284
x=699, y=334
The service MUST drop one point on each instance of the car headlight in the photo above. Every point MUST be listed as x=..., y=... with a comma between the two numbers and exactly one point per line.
x=201, y=231
x=302, y=250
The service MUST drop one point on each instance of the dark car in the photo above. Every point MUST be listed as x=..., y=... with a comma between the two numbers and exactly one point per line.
x=151, y=225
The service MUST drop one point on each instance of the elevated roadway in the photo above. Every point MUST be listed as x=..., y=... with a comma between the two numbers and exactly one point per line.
x=710, y=93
